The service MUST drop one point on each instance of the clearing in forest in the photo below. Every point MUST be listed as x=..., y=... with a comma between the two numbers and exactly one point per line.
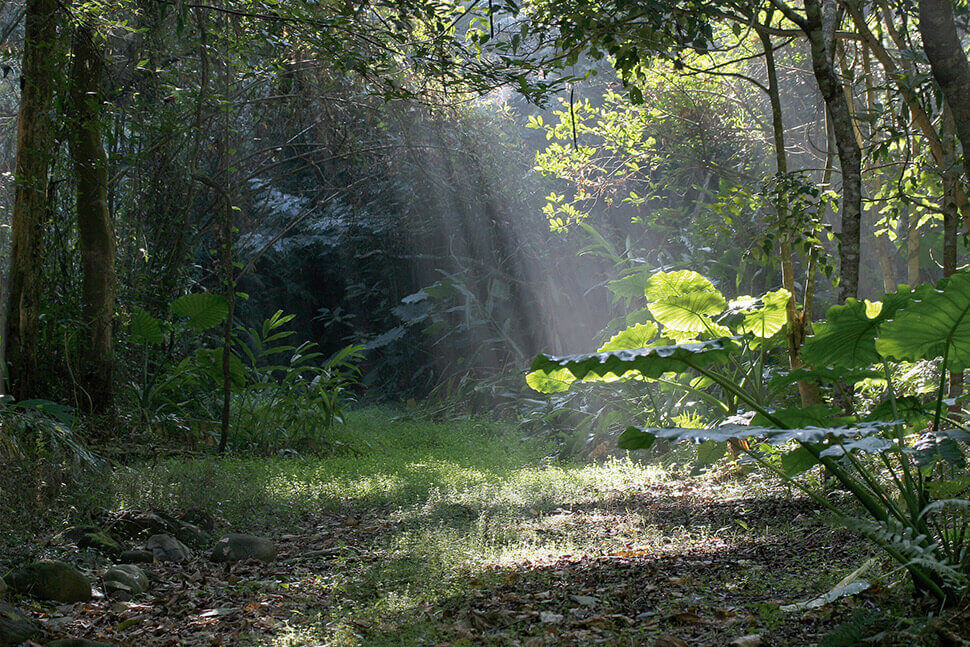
x=460, y=533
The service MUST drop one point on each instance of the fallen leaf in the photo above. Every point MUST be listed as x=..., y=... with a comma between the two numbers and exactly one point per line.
x=670, y=641
x=751, y=640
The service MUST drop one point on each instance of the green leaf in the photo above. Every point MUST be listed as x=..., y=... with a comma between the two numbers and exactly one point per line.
x=646, y=362
x=937, y=324
x=817, y=415
x=908, y=408
x=683, y=300
x=550, y=381
x=146, y=327
x=821, y=374
x=934, y=446
x=847, y=337
x=770, y=318
x=203, y=310
x=710, y=452
x=642, y=437
x=797, y=461
x=636, y=336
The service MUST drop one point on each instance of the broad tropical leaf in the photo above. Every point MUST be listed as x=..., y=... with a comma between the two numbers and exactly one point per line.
x=847, y=337
x=684, y=300
x=203, y=310
x=936, y=325
x=636, y=336
x=146, y=327
x=646, y=362
x=852, y=437
x=821, y=374
x=771, y=317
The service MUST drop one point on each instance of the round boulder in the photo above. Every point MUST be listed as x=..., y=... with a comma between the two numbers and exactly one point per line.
x=137, y=557
x=51, y=580
x=167, y=548
x=237, y=547
x=15, y=627
x=125, y=581
x=100, y=541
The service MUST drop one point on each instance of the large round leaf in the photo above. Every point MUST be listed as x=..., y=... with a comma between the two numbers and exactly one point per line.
x=636, y=336
x=937, y=324
x=548, y=375
x=847, y=337
x=684, y=300
x=146, y=327
x=202, y=310
x=771, y=317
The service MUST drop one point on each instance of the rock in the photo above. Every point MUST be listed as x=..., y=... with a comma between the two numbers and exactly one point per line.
x=100, y=541
x=167, y=548
x=125, y=581
x=199, y=518
x=15, y=627
x=76, y=642
x=670, y=641
x=751, y=640
x=585, y=600
x=191, y=534
x=137, y=557
x=138, y=524
x=51, y=580
x=237, y=547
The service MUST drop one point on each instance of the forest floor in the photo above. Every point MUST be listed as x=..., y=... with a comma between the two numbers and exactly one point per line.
x=452, y=534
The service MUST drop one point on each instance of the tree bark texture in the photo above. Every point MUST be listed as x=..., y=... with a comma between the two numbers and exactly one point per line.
x=95, y=230
x=949, y=64
x=820, y=26
x=35, y=143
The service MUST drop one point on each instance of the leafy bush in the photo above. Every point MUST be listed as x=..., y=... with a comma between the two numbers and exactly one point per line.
x=283, y=397
x=910, y=479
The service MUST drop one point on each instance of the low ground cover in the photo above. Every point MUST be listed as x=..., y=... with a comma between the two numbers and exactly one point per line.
x=458, y=533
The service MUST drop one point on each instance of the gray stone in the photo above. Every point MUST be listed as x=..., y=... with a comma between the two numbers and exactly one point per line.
x=15, y=627
x=168, y=549
x=138, y=524
x=191, y=534
x=100, y=541
x=51, y=580
x=200, y=518
x=137, y=557
x=237, y=547
x=125, y=581
x=76, y=642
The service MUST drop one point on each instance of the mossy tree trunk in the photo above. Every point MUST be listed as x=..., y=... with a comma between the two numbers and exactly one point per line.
x=95, y=229
x=35, y=152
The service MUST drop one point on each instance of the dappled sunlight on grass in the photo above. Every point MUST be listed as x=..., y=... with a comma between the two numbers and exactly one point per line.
x=432, y=511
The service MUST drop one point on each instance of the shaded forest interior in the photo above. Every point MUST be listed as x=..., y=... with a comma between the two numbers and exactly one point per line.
x=680, y=284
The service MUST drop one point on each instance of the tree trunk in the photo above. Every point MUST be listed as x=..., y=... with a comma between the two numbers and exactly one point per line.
x=95, y=230
x=35, y=144
x=898, y=72
x=808, y=391
x=820, y=30
x=951, y=218
x=949, y=64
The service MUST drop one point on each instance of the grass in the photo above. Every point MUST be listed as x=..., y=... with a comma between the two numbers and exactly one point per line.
x=459, y=533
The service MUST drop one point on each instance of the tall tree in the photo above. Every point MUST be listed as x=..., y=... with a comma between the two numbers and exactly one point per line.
x=943, y=48
x=95, y=230
x=35, y=142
